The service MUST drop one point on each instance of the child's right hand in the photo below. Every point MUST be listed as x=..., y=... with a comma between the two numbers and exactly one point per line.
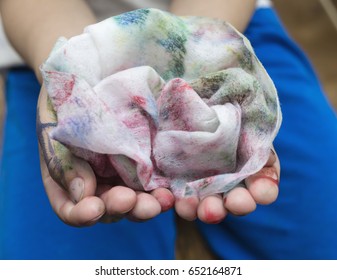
x=77, y=195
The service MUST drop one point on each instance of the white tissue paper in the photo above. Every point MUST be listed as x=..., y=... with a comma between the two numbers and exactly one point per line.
x=164, y=101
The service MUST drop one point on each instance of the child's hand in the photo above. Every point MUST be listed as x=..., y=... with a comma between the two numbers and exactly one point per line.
x=261, y=188
x=80, y=199
x=76, y=195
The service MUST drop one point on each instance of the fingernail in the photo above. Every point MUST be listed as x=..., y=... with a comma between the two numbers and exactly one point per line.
x=272, y=177
x=76, y=189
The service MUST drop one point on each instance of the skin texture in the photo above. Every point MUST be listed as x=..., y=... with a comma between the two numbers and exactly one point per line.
x=79, y=197
x=227, y=10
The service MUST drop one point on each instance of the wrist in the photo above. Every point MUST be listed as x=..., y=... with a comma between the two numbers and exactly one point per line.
x=237, y=13
x=34, y=26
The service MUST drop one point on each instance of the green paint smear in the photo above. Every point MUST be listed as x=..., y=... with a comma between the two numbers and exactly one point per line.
x=63, y=156
x=50, y=109
x=171, y=34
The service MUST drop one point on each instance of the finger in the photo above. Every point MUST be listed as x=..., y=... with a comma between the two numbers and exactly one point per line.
x=164, y=197
x=272, y=158
x=239, y=201
x=71, y=173
x=211, y=209
x=146, y=207
x=187, y=207
x=87, y=212
x=263, y=186
x=119, y=201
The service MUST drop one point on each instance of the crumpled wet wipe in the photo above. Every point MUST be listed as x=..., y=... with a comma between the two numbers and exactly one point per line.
x=163, y=101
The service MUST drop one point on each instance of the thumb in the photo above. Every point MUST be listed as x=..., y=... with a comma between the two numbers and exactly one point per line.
x=74, y=175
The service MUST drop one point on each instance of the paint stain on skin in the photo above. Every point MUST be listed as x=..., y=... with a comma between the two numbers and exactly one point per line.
x=276, y=182
x=166, y=201
x=268, y=173
x=211, y=217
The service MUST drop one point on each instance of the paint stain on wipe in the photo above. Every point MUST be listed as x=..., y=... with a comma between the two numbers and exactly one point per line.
x=165, y=101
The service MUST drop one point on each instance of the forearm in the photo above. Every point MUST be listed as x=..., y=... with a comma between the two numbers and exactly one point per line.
x=33, y=26
x=238, y=13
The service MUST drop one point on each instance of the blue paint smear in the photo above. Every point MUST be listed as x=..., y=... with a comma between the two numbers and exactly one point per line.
x=133, y=17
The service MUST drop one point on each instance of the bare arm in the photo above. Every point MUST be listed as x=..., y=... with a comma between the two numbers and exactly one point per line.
x=76, y=196
x=238, y=13
x=33, y=26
